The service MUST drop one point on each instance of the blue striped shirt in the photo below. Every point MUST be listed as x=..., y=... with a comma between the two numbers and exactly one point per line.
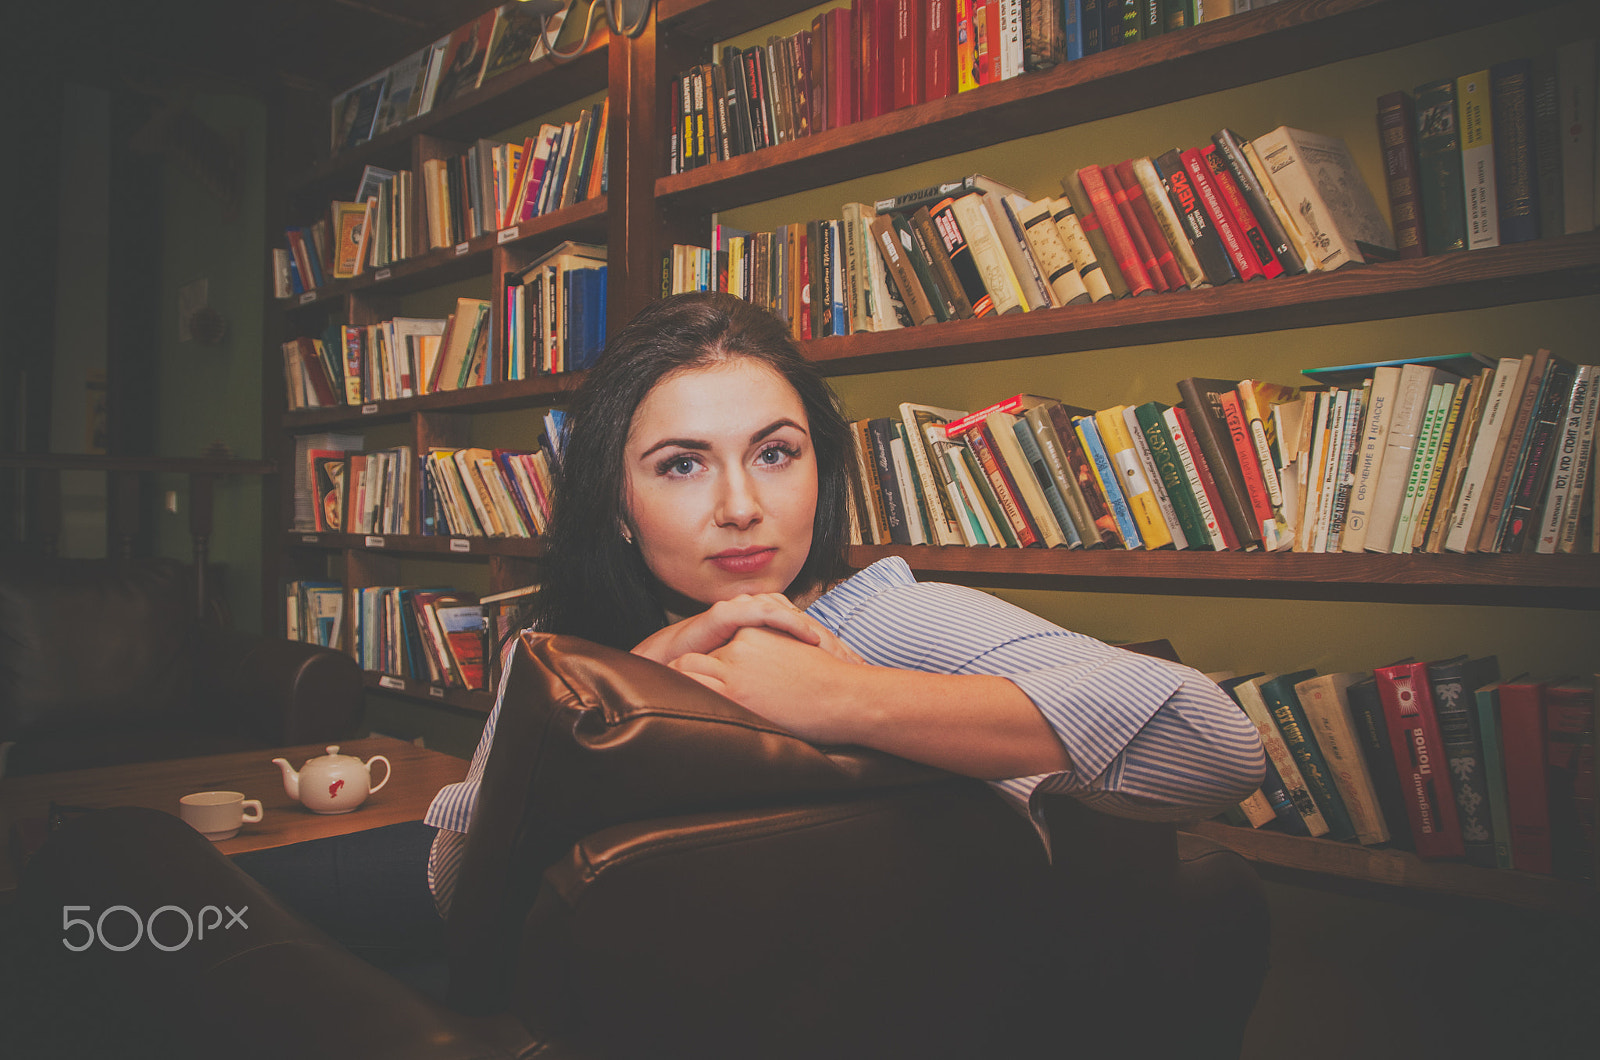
x=1147, y=738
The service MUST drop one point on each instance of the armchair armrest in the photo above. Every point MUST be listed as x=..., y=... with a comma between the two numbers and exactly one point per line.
x=268, y=985
x=281, y=691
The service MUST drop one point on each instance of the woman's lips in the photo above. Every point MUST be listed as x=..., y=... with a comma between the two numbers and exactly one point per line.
x=744, y=560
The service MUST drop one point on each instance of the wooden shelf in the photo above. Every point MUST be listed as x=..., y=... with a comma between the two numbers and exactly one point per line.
x=1243, y=49
x=460, y=698
x=1398, y=868
x=417, y=544
x=1522, y=272
x=523, y=393
x=509, y=99
x=1524, y=580
x=586, y=221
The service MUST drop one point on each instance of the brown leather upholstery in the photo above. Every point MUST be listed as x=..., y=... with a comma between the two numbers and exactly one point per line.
x=103, y=663
x=654, y=872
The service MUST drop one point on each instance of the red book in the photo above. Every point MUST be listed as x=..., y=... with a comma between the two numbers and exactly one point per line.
x=1207, y=482
x=1165, y=258
x=1250, y=230
x=882, y=55
x=1419, y=759
x=939, y=58
x=986, y=39
x=1199, y=172
x=866, y=45
x=803, y=243
x=1004, y=486
x=1569, y=758
x=1141, y=240
x=850, y=44
x=1249, y=463
x=909, y=47
x=1129, y=262
x=817, y=72
x=1522, y=743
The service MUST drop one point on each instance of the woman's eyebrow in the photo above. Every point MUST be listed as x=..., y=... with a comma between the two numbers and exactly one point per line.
x=698, y=445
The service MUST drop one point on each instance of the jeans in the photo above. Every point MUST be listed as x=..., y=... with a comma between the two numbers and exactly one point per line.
x=369, y=891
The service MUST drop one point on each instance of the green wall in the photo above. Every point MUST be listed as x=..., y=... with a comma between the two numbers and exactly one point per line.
x=213, y=393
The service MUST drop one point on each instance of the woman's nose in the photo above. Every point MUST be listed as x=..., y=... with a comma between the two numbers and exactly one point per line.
x=737, y=505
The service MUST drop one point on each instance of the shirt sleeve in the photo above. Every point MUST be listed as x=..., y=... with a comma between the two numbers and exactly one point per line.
x=1147, y=738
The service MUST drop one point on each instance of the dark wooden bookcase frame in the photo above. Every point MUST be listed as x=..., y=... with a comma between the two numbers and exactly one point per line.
x=647, y=210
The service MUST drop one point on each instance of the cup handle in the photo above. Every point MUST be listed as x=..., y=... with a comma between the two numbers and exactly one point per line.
x=245, y=811
x=388, y=771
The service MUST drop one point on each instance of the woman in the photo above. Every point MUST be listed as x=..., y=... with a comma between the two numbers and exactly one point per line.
x=701, y=522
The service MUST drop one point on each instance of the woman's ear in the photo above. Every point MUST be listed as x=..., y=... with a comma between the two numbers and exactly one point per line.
x=627, y=535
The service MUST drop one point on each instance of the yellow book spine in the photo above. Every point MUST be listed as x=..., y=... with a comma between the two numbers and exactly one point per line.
x=1135, y=486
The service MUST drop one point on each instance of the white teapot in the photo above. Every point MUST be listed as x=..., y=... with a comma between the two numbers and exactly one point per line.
x=332, y=783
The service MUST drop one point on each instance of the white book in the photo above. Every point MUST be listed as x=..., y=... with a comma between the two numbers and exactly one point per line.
x=1333, y=451
x=956, y=464
x=1583, y=470
x=1566, y=486
x=1310, y=473
x=1248, y=693
x=1326, y=196
x=1369, y=459
x=1002, y=428
x=1465, y=521
x=1141, y=446
x=989, y=256
x=1286, y=418
x=1411, y=403
x=945, y=529
x=1575, y=78
x=1477, y=160
x=1326, y=703
x=1351, y=438
x=1422, y=463
x=908, y=491
x=1208, y=514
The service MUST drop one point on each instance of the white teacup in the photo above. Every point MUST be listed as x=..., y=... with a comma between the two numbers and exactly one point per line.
x=218, y=815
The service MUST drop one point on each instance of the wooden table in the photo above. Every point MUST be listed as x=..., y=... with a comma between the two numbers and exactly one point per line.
x=418, y=775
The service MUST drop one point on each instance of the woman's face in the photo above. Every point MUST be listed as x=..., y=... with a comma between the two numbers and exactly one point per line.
x=721, y=481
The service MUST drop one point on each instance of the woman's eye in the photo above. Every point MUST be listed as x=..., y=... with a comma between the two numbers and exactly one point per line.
x=775, y=455
x=677, y=465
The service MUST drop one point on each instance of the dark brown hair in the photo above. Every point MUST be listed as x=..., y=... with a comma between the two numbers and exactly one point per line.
x=595, y=585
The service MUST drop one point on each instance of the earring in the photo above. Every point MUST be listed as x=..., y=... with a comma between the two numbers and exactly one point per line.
x=627, y=535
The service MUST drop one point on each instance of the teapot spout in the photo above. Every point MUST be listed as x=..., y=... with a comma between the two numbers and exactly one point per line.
x=291, y=779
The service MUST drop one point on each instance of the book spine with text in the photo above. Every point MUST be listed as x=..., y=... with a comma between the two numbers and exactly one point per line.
x=1419, y=758
x=1397, y=138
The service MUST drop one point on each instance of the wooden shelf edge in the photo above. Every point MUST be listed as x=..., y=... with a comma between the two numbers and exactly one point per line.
x=461, y=699
x=418, y=544
x=1402, y=869
x=1568, y=581
x=1566, y=266
x=523, y=393
x=1227, y=53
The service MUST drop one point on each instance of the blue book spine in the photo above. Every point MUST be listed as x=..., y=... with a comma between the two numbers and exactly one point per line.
x=1090, y=435
x=1072, y=23
x=840, y=327
x=1041, y=473
x=1516, y=175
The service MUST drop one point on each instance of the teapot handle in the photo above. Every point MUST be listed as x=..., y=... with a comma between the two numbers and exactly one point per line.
x=388, y=771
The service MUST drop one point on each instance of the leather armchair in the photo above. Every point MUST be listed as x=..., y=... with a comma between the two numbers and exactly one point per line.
x=654, y=872
x=103, y=663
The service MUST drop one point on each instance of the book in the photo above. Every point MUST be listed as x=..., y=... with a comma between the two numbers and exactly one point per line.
x=1278, y=694
x=1453, y=683
x=1473, y=100
x=988, y=254
x=1397, y=138
x=1522, y=740
x=1171, y=225
x=1247, y=693
x=1413, y=391
x=1486, y=704
x=1105, y=476
x=1326, y=195
x=1080, y=477
x=1522, y=516
x=1439, y=180
x=1372, y=730
x=1000, y=429
x=1370, y=452
x=1516, y=181
x=1170, y=466
x=1202, y=401
x=1534, y=367
x=959, y=251
x=1130, y=476
x=1234, y=150
x=1569, y=741
x=943, y=519
x=1466, y=521
x=1197, y=228
x=1419, y=757
x=1325, y=701
x=1129, y=261
x=1252, y=235
x=1575, y=75
x=1090, y=268
x=1573, y=441
x=511, y=40
x=1203, y=488
x=1242, y=259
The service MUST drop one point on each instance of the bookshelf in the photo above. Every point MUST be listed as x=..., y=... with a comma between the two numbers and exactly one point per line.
x=647, y=210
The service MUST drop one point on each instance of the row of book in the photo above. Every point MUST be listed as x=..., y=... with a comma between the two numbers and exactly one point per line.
x=476, y=492
x=314, y=612
x=1500, y=155
x=876, y=56
x=435, y=636
x=555, y=310
x=495, y=42
x=352, y=364
x=1444, y=758
x=1200, y=217
x=493, y=186
x=370, y=231
x=1409, y=457
x=355, y=492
